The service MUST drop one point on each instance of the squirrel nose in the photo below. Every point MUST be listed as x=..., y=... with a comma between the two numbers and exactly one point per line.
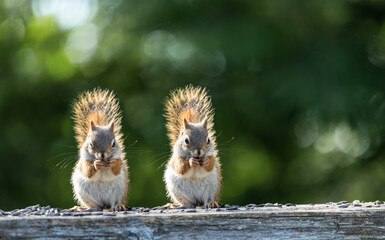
x=199, y=152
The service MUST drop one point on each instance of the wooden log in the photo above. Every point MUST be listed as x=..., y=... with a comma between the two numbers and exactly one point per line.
x=321, y=221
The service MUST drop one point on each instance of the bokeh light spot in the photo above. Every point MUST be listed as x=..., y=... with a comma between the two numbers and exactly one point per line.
x=68, y=13
x=82, y=43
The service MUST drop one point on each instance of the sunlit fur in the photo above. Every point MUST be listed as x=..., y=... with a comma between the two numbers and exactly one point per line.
x=102, y=107
x=193, y=104
x=189, y=114
x=102, y=188
x=197, y=187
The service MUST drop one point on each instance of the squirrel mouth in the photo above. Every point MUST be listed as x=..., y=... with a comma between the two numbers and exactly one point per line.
x=199, y=158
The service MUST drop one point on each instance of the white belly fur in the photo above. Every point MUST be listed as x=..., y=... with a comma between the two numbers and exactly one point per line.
x=196, y=187
x=104, y=189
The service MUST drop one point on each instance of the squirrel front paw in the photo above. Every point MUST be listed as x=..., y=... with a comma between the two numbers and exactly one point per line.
x=111, y=163
x=204, y=162
x=99, y=165
x=194, y=162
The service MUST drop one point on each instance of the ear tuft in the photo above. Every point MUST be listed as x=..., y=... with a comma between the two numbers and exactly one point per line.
x=204, y=123
x=185, y=123
x=111, y=125
x=92, y=125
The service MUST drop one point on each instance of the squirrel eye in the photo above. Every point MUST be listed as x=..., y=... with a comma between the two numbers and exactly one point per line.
x=187, y=141
x=113, y=143
x=91, y=144
x=208, y=140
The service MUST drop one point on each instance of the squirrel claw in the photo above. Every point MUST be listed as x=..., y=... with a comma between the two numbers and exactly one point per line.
x=77, y=208
x=171, y=205
x=99, y=165
x=205, y=162
x=212, y=204
x=194, y=162
x=119, y=207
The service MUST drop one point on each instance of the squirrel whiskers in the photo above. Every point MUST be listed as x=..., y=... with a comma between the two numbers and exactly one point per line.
x=193, y=173
x=100, y=176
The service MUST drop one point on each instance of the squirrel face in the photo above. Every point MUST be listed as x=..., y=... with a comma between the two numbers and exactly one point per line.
x=193, y=141
x=100, y=142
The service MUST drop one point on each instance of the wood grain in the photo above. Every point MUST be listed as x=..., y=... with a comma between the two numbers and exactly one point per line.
x=302, y=222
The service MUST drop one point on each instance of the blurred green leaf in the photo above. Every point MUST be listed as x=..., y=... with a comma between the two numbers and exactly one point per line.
x=298, y=89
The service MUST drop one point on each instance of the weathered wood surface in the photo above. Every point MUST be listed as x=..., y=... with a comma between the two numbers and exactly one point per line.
x=323, y=221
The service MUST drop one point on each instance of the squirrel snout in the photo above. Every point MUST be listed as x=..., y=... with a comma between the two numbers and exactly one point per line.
x=101, y=155
x=198, y=153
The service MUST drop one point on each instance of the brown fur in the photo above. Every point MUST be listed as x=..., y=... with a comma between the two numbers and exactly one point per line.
x=191, y=115
x=193, y=104
x=87, y=168
x=210, y=165
x=115, y=166
x=180, y=165
x=102, y=107
x=98, y=118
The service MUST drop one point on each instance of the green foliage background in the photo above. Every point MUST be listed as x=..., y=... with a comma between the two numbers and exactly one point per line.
x=297, y=86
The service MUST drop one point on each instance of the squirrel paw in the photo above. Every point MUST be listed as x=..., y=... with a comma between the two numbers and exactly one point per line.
x=99, y=165
x=212, y=204
x=111, y=162
x=77, y=208
x=171, y=205
x=119, y=207
x=194, y=162
x=205, y=162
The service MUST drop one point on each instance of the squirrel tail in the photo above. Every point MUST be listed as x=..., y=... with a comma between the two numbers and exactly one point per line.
x=191, y=103
x=101, y=107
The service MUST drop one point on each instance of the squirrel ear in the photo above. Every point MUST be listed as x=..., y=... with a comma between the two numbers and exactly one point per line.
x=185, y=123
x=204, y=123
x=92, y=124
x=111, y=125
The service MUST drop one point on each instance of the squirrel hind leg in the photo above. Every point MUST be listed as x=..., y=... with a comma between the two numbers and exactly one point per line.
x=77, y=208
x=171, y=205
x=212, y=204
x=86, y=202
x=119, y=207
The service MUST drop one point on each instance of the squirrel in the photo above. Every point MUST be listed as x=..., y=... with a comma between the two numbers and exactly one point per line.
x=193, y=173
x=100, y=176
